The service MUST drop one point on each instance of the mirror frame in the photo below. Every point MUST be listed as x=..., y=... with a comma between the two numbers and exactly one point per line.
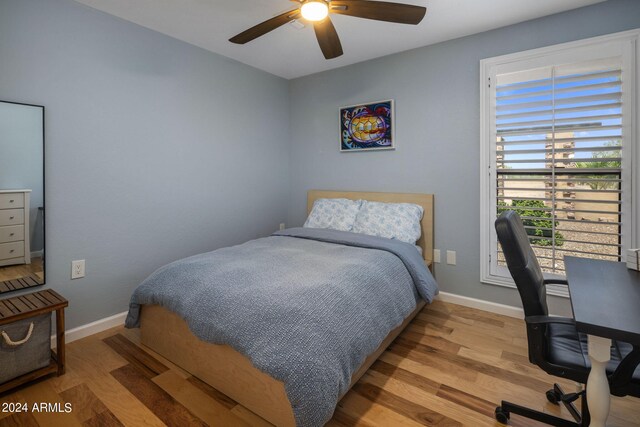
x=44, y=202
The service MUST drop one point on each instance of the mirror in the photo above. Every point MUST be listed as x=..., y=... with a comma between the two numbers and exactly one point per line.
x=22, y=245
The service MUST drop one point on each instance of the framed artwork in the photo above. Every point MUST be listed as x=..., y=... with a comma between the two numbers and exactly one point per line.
x=367, y=127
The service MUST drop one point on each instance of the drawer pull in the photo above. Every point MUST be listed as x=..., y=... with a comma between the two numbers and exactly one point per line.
x=12, y=251
x=11, y=235
x=12, y=343
x=10, y=201
x=11, y=217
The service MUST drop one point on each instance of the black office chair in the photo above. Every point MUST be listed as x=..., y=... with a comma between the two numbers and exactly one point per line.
x=554, y=343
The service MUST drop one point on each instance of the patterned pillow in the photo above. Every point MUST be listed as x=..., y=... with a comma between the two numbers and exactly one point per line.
x=338, y=214
x=391, y=220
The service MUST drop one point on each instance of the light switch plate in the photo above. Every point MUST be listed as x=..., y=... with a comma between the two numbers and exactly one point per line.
x=436, y=255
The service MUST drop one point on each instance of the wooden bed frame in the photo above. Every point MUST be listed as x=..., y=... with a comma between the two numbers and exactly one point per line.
x=232, y=373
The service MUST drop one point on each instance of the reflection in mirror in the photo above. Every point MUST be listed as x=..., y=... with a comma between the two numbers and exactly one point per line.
x=21, y=196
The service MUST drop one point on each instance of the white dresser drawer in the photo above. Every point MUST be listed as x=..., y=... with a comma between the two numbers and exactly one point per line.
x=11, y=233
x=11, y=250
x=11, y=217
x=11, y=200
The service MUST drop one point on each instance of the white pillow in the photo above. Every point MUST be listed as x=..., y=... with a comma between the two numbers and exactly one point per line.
x=399, y=221
x=337, y=214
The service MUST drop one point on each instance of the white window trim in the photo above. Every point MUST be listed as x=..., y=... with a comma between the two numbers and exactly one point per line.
x=487, y=140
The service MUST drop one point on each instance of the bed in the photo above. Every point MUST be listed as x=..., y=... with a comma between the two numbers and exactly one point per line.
x=233, y=373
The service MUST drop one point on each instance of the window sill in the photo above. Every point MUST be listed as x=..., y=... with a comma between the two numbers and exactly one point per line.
x=555, y=290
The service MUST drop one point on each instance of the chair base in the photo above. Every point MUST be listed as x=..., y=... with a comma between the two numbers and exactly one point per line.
x=555, y=396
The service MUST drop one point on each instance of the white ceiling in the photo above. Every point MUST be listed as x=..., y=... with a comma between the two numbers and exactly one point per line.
x=290, y=52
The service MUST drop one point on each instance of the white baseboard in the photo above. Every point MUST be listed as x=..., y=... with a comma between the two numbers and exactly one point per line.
x=92, y=328
x=492, y=307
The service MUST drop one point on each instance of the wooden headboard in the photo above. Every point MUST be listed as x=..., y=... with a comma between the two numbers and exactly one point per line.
x=424, y=200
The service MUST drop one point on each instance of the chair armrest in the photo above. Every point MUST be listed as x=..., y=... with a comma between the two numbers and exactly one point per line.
x=541, y=320
x=537, y=338
x=555, y=282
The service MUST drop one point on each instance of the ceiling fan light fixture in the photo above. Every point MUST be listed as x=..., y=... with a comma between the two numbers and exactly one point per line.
x=314, y=10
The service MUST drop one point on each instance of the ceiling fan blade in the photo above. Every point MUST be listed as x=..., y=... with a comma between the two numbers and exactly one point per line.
x=266, y=26
x=379, y=10
x=328, y=38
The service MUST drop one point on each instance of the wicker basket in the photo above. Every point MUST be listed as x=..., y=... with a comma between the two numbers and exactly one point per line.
x=25, y=346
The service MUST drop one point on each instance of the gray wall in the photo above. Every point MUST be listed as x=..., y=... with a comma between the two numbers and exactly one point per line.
x=156, y=149
x=436, y=92
x=21, y=151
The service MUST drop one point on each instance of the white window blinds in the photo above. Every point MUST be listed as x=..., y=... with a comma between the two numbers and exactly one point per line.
x=558, y=158
x=558, y=142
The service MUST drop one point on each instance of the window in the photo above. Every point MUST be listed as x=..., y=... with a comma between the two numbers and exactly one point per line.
x=557, y=146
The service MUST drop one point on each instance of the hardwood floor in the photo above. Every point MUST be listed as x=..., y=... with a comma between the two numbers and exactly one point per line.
x=21, y=276
x=34, y=269
x=450, y=367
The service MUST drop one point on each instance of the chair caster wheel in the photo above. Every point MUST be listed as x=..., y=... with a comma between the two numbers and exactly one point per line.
x=553, y=397
x=502, y=416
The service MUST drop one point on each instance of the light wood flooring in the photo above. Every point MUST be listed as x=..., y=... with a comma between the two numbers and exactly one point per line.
x=450, y=367
x=21, y=276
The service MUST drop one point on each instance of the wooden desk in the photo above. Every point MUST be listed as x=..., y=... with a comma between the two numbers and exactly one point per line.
x=30, y=305
x=605, y=297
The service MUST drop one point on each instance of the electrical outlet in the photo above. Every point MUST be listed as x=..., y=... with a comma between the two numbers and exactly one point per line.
x=436, y=255
x=77, y=269
x=282, y=226
x=451, y=257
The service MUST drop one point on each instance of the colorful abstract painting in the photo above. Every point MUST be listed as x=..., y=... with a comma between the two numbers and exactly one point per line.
x=367, y=127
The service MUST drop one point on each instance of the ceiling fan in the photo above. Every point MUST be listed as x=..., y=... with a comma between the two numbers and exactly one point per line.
x=317, y=12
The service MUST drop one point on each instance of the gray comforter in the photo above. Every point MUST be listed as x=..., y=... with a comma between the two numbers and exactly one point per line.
x=306, y=306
